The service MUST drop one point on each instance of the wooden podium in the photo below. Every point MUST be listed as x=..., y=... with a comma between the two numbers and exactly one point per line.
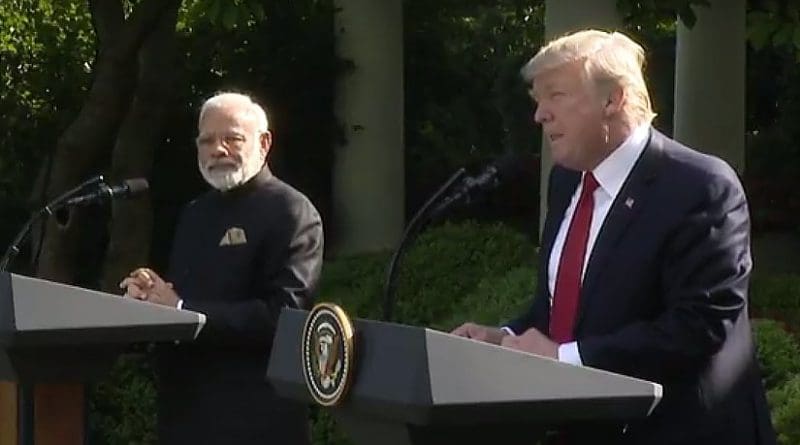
x=414, y=385
x=54, y=338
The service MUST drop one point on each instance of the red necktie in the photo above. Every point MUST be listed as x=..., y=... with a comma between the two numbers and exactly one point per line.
x=570, y=268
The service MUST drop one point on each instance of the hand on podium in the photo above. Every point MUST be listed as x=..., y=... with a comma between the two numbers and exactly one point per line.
x=146, y=285
x=487, y=334
x=532, y=341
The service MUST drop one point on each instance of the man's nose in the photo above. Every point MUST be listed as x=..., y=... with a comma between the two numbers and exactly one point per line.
x=218, y=150
x=541, y=115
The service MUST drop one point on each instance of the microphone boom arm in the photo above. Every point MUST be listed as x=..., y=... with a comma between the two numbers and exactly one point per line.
x=48, y=210
x=414, y=227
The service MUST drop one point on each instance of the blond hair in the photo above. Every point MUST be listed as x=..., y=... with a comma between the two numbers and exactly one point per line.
x=609, y=59
x=241, y=101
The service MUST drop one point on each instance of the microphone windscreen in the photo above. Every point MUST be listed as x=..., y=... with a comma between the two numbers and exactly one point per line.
x=136, y=185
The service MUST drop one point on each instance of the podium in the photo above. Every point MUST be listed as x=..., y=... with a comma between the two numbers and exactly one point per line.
x=54, y=338
x=413, y=385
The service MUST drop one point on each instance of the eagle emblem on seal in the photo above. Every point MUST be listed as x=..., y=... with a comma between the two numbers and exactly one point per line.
x=328, y=353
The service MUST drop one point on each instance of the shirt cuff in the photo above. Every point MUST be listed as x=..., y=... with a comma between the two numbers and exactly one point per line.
x=508, y=331
x=568, y=353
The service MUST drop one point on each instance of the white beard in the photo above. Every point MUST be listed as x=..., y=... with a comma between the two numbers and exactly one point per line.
x=226, y=175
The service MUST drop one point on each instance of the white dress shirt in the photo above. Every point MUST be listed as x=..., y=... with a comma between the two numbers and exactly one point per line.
x=610, y=175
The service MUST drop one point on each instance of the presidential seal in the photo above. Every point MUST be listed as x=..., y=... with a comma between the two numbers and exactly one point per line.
x=328, y=353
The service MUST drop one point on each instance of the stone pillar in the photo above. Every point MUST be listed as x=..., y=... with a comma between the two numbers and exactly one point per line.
x=710, y=82
x=368, y=176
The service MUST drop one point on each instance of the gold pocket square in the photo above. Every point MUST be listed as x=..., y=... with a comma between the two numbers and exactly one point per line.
x=233, y=236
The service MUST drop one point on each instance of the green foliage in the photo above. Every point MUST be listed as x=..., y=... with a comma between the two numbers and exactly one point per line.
x=495, y=299
x=447, y=265
x=779, y=358
x=224, y=14
x=680, y=8
x=449, y=262
x=775, y=24
x=785, y=404
x=46, y=50
x=778, y=352
x=777, y=296
x=778, y=291
x=464, y=99
x=122, y=407
x=324, y=430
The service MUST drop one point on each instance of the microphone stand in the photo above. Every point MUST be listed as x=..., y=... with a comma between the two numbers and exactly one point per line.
x=415, y=226
x=48, y=210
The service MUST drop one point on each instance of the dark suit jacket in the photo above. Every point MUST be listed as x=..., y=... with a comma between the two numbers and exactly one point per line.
x=664, y=298
x=213, y=390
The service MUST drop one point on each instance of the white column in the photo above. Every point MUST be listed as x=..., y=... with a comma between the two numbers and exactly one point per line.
x=368, y=176
x=562, y=17
x=710, y=82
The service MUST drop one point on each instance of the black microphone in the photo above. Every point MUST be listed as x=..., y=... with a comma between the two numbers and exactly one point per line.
x=507, y=166
x=128, y=188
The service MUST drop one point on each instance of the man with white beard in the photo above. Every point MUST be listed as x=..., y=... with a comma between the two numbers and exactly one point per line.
x=241, y=252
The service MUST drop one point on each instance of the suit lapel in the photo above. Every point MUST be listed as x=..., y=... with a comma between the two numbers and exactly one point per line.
x=627, y=205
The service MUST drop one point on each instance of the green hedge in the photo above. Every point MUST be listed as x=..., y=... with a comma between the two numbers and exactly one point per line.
x=776, y=296
x=778, y=352
x=779, y=358
x=445, y=266
x=122, y=407
x=785, y=403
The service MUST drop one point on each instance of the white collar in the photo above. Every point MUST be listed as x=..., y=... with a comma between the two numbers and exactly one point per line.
x=612, y=172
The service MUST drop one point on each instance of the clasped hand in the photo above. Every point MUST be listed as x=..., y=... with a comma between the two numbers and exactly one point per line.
x=146, y=285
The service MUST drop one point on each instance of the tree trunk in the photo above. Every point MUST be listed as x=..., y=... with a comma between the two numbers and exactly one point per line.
x=84, y=145
x=131, y=221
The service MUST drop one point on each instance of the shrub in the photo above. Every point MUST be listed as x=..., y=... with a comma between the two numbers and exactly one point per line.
x=122, y=406
x=778, y=352
x=785, y=403
x=495, y=300
x=777, y=296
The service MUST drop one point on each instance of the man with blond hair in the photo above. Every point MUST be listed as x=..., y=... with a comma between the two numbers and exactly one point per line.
x=241, y=252
x=645, y=255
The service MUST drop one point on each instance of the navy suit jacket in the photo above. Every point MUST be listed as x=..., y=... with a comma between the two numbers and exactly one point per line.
x=664, y=298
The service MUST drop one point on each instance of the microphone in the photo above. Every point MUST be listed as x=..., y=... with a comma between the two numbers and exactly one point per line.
x=507, y=166
x=104, y=192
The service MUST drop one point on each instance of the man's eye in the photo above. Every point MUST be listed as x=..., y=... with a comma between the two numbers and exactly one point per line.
x=234, y=139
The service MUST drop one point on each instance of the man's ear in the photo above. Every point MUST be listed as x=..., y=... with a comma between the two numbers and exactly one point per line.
x=614, y=101
x=265, y=142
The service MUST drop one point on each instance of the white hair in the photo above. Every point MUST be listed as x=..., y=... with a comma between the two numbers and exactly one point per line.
x=244, y=102
x=609, y=59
